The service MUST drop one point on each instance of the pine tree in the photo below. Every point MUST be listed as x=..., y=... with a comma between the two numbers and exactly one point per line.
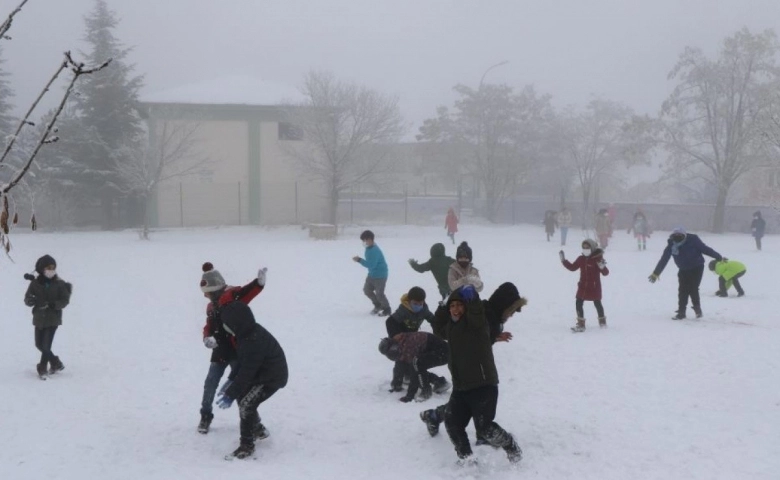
x=107, y=107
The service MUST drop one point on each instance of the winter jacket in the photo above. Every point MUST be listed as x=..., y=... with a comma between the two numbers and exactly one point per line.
x=226, y=350
x=589, y=286
x=550, y=221
x=728, y=269
x=411, y=320
x=439, y=265
x=451, y=222
x=688, y=256
x=603, y=224
x=640, y=226
x=471, y=360
x=564, y=219
x=758, y=226
x=261, y=360
x=374, y=261
x=413, y=344
x=47, y=297
x=504, y=302
x=458, y=276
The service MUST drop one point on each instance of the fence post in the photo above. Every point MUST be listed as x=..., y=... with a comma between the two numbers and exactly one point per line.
x=406, y=204
x=239, y=202
x=352, y=207
x=181, y=204
x=296, y=203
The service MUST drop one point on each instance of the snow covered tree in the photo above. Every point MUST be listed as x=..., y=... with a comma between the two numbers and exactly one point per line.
x=712, y=119
x=497, y=133
x=346, y=131
x=107, y=105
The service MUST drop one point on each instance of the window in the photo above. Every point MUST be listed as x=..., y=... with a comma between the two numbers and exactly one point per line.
x=290, y=132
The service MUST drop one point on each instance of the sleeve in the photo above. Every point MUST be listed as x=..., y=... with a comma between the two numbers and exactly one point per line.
x=604, y=271
x=439, y=323
x=475, y=315
x=248, y=292
x=29, y=296
x=63, y=297
x=664, y=260
x=709, y=251
x=371, y=259
x=572, y=266
x=429, y=316
x=421, y=267
x=208, y=329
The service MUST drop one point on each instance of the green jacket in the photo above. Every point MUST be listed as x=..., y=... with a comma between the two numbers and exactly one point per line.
x=728, y=270
x=471, y=348
x=47, y=297
x=439, y=265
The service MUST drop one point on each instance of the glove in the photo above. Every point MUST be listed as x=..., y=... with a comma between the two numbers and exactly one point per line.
x=224, y=402
x=412, y=261
x=224, y=388
x=210, y=342
x=653, y=278
x=602, y=264
x=29, y=301
x=261, y=276
x=562, y=256
x=468, y=293
x=406, y=399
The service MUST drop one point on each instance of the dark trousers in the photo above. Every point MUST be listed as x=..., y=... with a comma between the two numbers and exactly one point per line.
x=400, y=369
x=758, y=243
x=44, y=337
x=689, y=281
x=596, y=303
x=478, y=404
x=435, y=355
x=247, y=411
x=374, y=289
x=216, y=370
x=734, y=281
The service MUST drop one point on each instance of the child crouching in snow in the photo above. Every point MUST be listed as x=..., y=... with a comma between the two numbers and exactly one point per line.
x=592, y=266
x=729, y=272
x=419, y=351
x=408, y=317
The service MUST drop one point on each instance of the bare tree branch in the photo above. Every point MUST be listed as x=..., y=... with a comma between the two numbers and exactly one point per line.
x=8, y=21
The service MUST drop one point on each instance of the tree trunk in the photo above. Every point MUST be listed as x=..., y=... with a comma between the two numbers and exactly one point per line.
x=718, y=223
x=334, y=206
x=145, y=216
x=586, y=216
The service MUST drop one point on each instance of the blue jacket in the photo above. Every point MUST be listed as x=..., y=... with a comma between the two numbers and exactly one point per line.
x=689, y=254
x=374, y=261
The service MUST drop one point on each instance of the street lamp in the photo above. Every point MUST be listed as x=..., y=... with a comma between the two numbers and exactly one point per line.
x=482, y=80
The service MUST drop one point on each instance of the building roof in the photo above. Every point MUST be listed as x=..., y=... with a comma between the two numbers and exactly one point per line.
x=228, y=90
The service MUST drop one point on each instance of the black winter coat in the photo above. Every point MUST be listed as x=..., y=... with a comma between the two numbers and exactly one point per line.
x=261, y=360
x=47, y=297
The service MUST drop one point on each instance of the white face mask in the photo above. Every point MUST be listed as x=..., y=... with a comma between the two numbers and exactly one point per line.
x=586, y=252
x=49, y=273
x=365, y=244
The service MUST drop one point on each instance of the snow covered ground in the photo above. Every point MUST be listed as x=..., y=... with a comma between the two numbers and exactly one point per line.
x=648, y=398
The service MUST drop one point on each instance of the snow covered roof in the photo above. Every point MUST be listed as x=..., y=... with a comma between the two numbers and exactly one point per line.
x=233, y=90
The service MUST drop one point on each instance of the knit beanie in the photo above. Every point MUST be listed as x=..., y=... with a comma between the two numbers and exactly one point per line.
x=464, y=251
x=44, y=262
x=212, y=280
x=417, y=294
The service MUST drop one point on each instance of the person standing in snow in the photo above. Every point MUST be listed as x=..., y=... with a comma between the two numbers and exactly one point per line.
x=376, y=280
x=729, y=272
x=603, y=226
x=757, y=227
x=688, y=252
x=462, y=272
x=592, y=266
x=438, y=265
x=641, y=228
x=48, y=295
x=564, y=223
x=550, y=223
x=261, y=371
x=451, y=224
x=223, y=352
x=463, y=323
x=418, y=352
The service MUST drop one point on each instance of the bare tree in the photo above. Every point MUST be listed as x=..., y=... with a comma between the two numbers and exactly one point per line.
x=77, y=70
x=712, y=118
x=346, y=131
x=171, y=150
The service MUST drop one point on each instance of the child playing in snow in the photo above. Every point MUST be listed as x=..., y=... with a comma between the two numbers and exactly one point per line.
x=550, y=223
x=462, y=272
x=408, y=317
x=223, y=352
x=438, y=265
x=592, y=266
x=418, y=351
x=729, y=272
x=641, y=228
x=451, y=224
x=47, y=294
x=376, y=280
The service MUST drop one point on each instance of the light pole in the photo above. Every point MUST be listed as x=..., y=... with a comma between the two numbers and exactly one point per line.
x=482, y=80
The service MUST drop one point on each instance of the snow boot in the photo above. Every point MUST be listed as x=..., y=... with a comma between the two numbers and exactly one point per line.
x=205, y=422
x=431, y=421
x=741, y=294
x=467, y=461
x=243, y=451
x=513, y=452
x=721, y=293
x=384, y=312
x=424, y=394
x=679, y=315
x=441, y=385
x=580, y=327
x=56, y=365
x=41, y=368
x=375, y=311
x=260, y=432
x=697, y=311
x=603, y=322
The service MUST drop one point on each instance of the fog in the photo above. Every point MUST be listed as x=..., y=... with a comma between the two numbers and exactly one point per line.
x=620, y=49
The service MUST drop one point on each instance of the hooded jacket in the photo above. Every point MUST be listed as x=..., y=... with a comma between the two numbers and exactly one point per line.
x=758, y=225
x=470, y=360
x=589, y=286
x=47, y=296
x=728, y=269
x=504, y=302
x=438, y=265
x=451, y=222
x=261, y=360
x=689, y=253
x=411, y=320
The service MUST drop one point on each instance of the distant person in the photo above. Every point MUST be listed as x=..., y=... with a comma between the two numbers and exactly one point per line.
x=376, y=280
x=603, y=226
x=564, y=223
x=550, y=223
x=729, y=272
x=438, y=265
x=451, y=224
x=757, y=227
x=688, y=252
x=612, y=214
x=641, y=228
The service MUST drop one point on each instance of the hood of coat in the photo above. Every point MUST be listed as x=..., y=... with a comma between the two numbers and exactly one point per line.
x=44, y=262
x=437, y=250
x=238, y=319
x=507, y=300
x=757, y=214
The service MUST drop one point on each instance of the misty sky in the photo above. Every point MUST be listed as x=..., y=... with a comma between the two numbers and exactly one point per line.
x=417, y=49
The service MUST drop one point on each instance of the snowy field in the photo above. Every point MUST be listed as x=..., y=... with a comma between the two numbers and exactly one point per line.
x=648, y=398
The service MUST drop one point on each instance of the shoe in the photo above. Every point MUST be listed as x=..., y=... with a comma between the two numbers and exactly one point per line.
x=467, y=461
x=384, y=312
x=56, y=365
x=721, y=294
x=513, y=452
x=431, y=421
x=481, y=441
x=41, y=368
x=243, y=451
x=580, y=326
x=205, y=422
x=697, y=311
x=396, y=387
x=441, y=386
x=741, y=294
x=260, y=432
x=679, y=316
x=603, y=322
x=424, y=394
x=375, y=311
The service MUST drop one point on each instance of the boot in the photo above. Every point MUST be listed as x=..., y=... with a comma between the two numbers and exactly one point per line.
x=697, y=311
x=603, y=322
x=513, y=452
x=425, y=393
x=431, y=421
x=679, y=315
x=41, y=368
x=580, y=327
x=721, y=293
x=205, y=422
x=260, y=432
x=384, y=312
x=56, y=365
x=376, y=310
x=441, y=385
x=243, y=451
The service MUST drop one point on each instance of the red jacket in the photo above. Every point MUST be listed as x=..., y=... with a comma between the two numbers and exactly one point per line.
x=589, y=286
x=411, y=345
x=226, y=348
x=451, y=222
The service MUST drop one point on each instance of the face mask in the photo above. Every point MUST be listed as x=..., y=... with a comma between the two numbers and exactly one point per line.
x=464, y=264
x=586, y=252
x=678, y=238
x=417, y=308
x=49, y=273
x=365, y=244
